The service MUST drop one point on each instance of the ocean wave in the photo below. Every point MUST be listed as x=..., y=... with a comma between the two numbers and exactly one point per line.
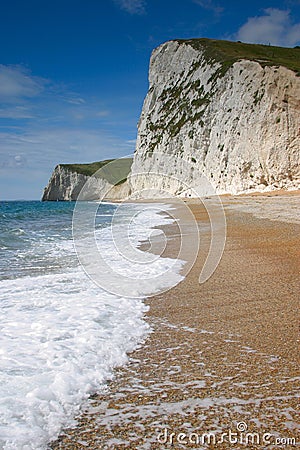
x=61, y=335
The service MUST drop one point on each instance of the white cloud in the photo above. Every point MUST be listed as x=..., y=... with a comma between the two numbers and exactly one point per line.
x=26, y=97
x=131, y=142
x=102, y=113
x=16, y=82
x=43, y=149
x=16, y=112
x=210, y=5
x=76, y=101
x=43, y=124
x=275, y=27
x=132, y=6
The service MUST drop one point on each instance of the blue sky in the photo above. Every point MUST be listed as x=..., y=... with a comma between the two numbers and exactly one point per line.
x=73, y=73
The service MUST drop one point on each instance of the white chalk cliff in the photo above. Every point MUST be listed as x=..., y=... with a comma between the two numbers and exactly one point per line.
x=236, y=122
x=63, y=185
x=66, y=185
x=224, y=112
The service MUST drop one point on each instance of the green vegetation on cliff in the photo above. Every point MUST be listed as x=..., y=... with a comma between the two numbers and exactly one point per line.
x=113, y=170
x=177, y=108
x=86, y=169
x=227, y=52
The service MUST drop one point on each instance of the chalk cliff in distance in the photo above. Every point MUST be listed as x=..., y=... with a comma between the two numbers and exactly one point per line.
x=67, y=181
x=228, y=110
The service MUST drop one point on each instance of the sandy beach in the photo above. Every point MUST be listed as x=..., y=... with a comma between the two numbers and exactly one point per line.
x=223, y=358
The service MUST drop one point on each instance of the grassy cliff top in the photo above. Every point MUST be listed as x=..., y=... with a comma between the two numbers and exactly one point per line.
x=86, y=169
x=116, y=172
x=228, y=52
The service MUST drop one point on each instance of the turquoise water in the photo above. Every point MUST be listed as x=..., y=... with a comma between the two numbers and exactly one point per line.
x=34, y=234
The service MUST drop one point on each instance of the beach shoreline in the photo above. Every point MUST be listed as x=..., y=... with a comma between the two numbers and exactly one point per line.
x=221, y=353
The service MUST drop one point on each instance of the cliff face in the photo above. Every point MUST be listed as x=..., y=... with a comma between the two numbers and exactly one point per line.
x=65, y=185
x=236, y=122
x=229, y=111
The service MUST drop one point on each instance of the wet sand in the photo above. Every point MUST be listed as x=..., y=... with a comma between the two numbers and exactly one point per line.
x=222, y=356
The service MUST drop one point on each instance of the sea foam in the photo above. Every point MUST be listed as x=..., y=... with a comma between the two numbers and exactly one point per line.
x=62, y=336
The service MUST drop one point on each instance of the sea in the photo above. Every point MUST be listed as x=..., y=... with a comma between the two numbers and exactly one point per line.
x=62, y=334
